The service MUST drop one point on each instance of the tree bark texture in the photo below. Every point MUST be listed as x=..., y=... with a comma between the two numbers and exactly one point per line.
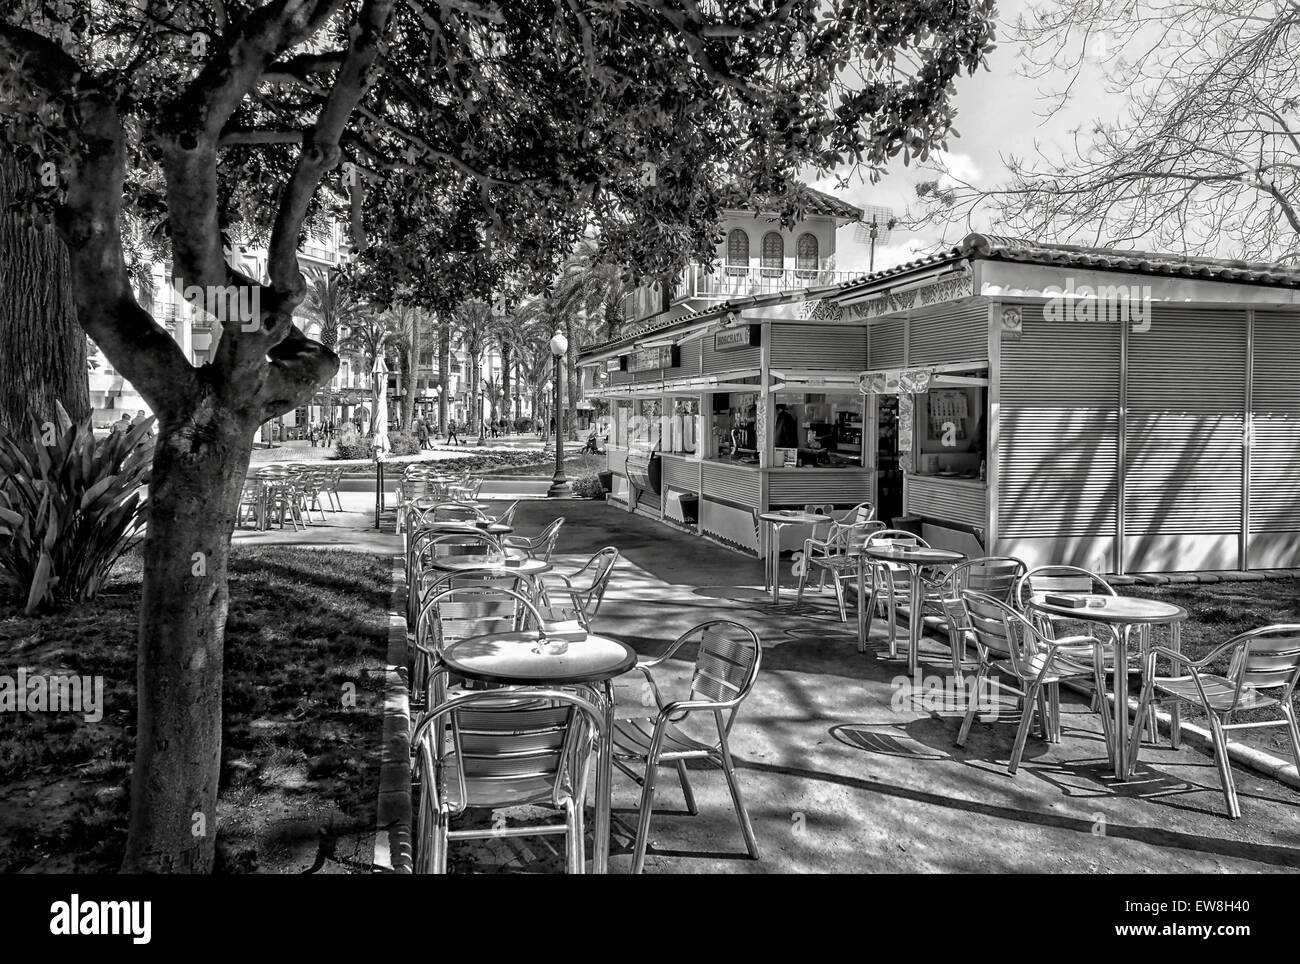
x=42, y=348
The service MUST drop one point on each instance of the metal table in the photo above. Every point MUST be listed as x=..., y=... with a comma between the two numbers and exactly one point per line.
x=1121, y=613
x=776, y=521
x=512, y=659
x=915, y=558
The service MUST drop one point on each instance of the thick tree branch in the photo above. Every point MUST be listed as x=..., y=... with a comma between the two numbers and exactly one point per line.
x=193, y=123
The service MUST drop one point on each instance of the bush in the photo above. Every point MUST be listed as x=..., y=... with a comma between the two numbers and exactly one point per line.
x=402, y=443
x=524, y=425
x=70, y=507
x=351, y=444
x=588, y=487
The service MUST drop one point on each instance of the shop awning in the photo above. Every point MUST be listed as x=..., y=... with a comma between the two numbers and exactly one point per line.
x=916, y=381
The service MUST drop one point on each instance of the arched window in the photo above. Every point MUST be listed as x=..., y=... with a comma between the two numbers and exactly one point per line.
x=773, y=253
x=806, y=261
x=737, y=251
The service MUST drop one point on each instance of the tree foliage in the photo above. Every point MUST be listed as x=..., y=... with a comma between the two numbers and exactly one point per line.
x=470, y=144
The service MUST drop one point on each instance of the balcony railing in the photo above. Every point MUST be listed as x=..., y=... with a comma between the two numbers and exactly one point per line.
x=727, y=282
x=731, y=281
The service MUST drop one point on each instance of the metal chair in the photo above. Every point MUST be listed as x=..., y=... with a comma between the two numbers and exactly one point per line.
x=586, y=599
x=831, y=557
x=994, y=576
x=726, y=666
x=1261, y=659
x=539, y=546
x=331, y=488
x=502, y=749
x=1010, y=643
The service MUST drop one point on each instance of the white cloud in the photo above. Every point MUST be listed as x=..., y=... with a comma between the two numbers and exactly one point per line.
x=958, y=166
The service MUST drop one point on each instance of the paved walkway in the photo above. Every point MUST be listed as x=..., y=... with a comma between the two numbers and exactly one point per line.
x=842, y=773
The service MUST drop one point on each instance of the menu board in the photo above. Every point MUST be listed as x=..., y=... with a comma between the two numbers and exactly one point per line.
x=906, y=429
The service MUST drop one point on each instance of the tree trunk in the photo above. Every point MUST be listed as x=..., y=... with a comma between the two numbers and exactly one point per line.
x=42, y=348
x=519, y=396
x=198, y=473
x=505, y=376
x=444, y=370
x=412, y=376
x=569, y=374
x=475, y=405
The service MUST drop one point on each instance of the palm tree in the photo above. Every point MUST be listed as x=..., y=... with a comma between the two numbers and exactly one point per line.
x=476, y=329
x=586, y=304
x=492, y=392
x=410, y=330
x=332, y=303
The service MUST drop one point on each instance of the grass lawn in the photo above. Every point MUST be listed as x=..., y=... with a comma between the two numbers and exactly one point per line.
x=1218, y=611
x=305, y=647
x=575, y=466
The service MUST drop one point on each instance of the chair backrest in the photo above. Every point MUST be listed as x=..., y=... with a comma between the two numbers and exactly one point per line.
x=1001, y=631
x=471, y=545
x=420, y=532
x=1062, y=580
x=501, y=744
x=897, y=537
x=462, y=611
x=507, y=518
x=455, y=512
x=994, y=576
x=857, y=533
x=1266, y=658
x=862, y=512
x=602, y=564
x=544, y=542
x=726, y=663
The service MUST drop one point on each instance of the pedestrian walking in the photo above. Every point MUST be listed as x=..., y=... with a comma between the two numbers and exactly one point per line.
x=422, y=433
x=451, y=432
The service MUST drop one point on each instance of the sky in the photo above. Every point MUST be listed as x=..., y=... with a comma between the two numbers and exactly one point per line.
x=998, y=114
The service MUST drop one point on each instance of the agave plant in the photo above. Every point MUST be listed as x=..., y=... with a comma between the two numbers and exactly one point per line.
x=70, y=508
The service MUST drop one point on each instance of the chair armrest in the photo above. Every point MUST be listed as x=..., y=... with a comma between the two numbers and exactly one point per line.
x=557, y=575
x=673, y=647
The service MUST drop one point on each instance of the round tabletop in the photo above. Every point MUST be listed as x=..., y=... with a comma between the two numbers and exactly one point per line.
x=493, y=528
x=523, y=567
x=796, y=517
x=1126, y=610
x=914, y=555
x=512, y=659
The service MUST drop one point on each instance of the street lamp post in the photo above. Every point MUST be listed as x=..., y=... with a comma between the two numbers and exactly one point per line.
x=559, y=484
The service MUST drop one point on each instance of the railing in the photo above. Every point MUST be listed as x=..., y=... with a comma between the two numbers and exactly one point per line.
x=731, y=281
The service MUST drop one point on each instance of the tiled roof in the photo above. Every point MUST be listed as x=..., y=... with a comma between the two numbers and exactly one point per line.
x=995, y=247
x=815, y=202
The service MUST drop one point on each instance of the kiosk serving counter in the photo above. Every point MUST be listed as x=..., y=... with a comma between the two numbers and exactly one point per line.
x=741, y=418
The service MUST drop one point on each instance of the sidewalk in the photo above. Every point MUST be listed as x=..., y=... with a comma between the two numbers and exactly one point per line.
x=842, y=772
